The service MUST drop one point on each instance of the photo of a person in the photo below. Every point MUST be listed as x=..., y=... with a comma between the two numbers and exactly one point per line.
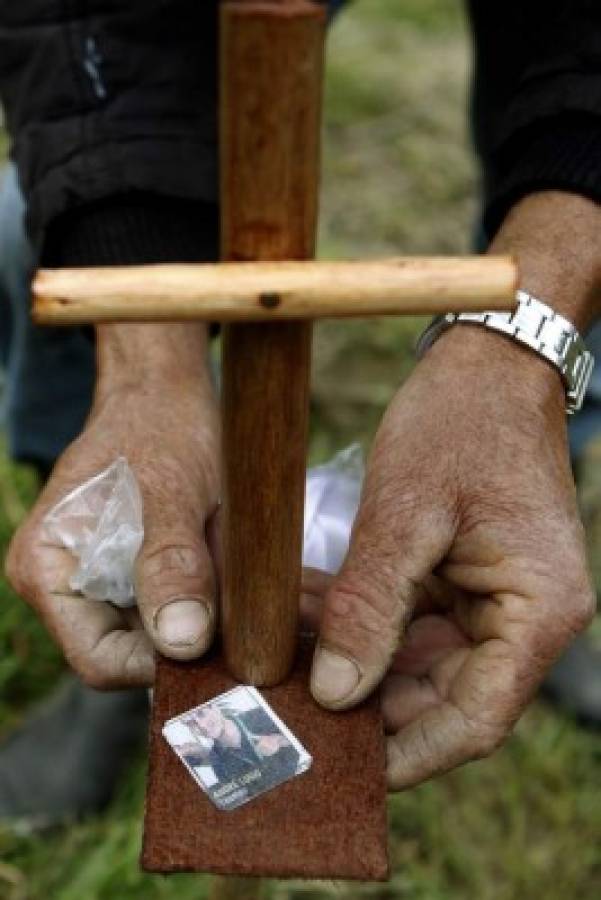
x=235, y=748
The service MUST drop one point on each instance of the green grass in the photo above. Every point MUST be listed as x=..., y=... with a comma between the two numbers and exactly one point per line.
x=398, y=177
x=28, y=661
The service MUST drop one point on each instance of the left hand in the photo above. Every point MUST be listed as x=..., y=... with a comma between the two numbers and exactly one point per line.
x=154, y=404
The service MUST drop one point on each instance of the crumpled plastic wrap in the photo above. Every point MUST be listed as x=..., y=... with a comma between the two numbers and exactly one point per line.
x=101, y=523
x=331, y=502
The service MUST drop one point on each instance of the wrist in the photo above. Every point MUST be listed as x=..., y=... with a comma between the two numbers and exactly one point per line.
x=555, y=238
x=556, y=241
x=136, y=356
x=497, y=369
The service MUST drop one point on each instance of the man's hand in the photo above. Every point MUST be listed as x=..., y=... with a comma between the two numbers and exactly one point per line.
x=154, y=405
x=468, y=541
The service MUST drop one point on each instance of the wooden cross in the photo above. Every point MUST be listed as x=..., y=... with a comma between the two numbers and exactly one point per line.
x=268, y=292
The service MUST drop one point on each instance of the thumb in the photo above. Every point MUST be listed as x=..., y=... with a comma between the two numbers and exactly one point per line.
x=371, y=600
x=175, y=581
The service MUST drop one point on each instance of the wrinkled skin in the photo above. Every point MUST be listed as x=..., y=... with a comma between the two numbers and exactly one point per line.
x=466, y=574
x=476, y=558
x=163, y=418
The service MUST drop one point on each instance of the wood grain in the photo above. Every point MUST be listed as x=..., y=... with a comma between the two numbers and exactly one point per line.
x=270, y=115
x=272, y=291
x=331, y=821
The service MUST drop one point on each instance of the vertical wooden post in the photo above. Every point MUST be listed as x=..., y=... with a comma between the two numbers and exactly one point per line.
x=270, y=111
x=331, y=823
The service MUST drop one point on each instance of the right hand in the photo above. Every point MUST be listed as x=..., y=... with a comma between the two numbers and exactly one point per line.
x=154, y=405
x=466, y=574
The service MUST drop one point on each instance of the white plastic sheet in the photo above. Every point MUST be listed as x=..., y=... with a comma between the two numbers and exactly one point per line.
x=331, y=502
x=101, y=523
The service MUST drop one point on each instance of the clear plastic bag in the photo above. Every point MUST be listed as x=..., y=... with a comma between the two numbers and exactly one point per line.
x=101, y=523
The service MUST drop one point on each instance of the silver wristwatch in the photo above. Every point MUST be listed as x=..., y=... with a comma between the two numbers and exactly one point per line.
x=537, y=326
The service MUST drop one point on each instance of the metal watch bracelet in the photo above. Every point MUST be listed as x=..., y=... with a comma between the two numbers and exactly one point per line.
x=537, y=326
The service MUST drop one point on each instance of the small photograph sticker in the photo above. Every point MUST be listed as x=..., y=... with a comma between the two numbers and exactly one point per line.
x=235, y=747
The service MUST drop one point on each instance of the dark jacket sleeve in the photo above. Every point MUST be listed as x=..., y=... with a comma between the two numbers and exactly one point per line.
x=110, y=105
x=536, y=99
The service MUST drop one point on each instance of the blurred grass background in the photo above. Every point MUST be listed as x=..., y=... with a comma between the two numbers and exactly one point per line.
x=398, y=177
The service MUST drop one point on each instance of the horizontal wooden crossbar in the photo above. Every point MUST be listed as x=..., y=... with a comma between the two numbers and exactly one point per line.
x=265, y=291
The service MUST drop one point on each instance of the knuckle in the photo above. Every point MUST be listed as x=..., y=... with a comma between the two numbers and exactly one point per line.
x=584, y=607
x=487, y=741
x=11, y=566
x=19, y=574
x=356, y=622
x=373, y=577
x=91, y=671
x=576, y=598
x=132, y=658
x=399, y=511
x=116, y=659
x=482, y=738
x=391, y=502
x=89, y=662
x=175, y=568
x=567, y=592
x=486, y=730
x=165, y=558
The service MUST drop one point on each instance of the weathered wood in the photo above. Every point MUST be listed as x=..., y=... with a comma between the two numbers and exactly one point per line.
x=331, y=823
x=270, y=112
x=265, y=291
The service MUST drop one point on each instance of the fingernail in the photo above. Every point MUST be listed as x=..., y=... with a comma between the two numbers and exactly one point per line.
x=182, y=623
x=334, y=677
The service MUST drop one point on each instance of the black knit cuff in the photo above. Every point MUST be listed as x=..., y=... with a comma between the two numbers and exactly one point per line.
x=562, y=153
x=133, y=229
